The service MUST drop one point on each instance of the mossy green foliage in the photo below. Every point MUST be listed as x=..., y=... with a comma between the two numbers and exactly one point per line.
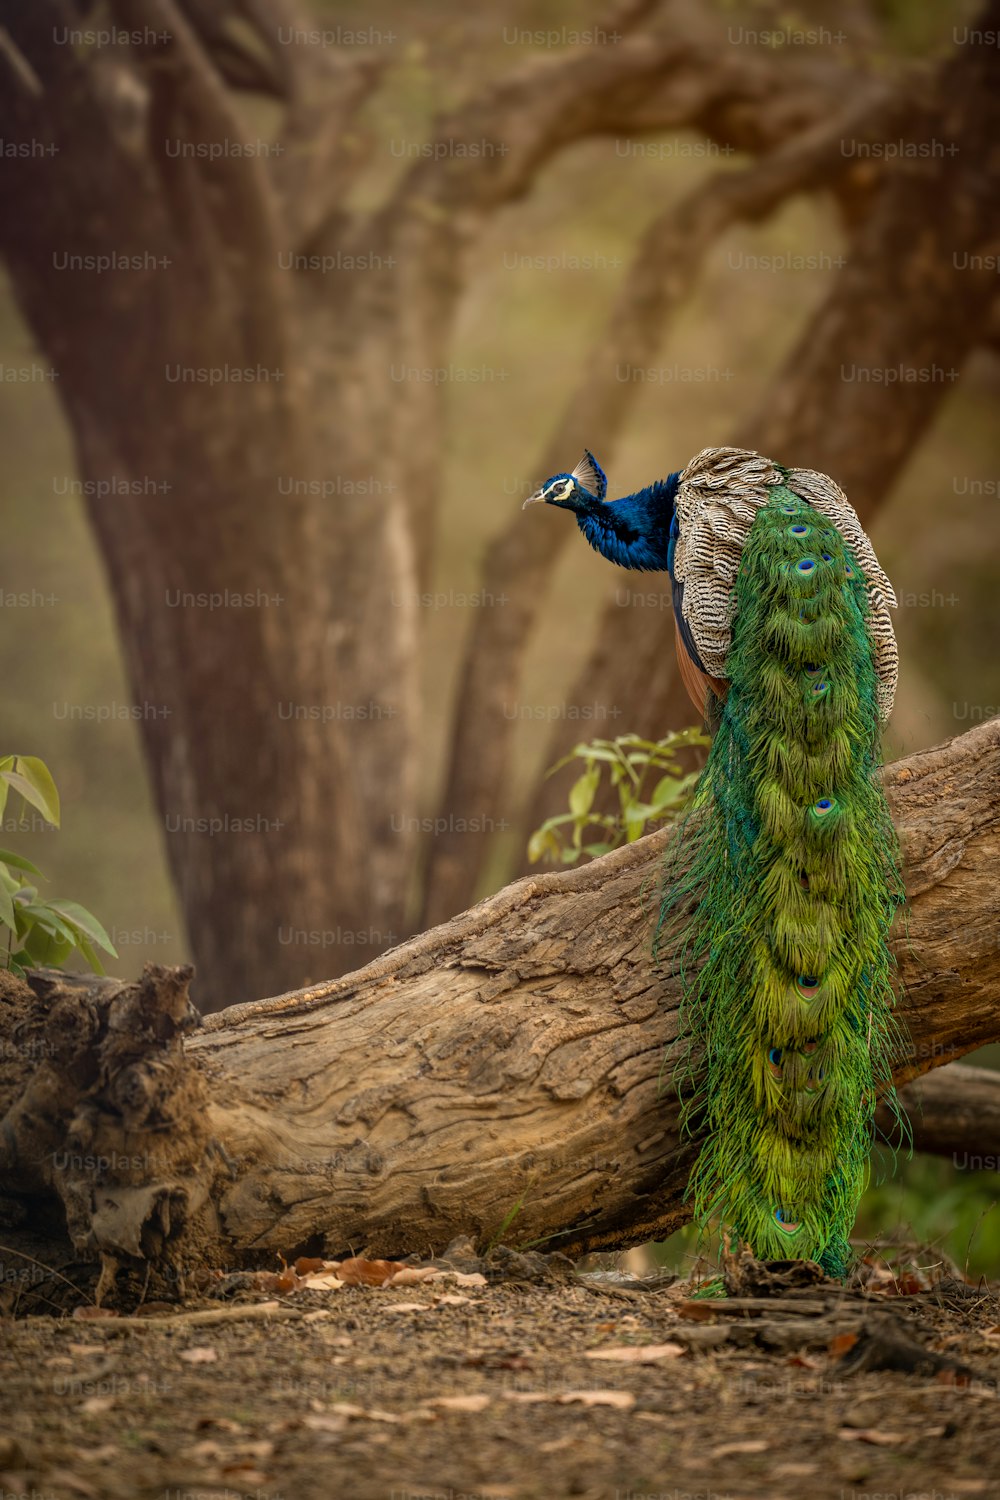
x=794, y=866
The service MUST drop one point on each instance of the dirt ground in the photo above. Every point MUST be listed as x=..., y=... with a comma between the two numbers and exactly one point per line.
x=528, y=1382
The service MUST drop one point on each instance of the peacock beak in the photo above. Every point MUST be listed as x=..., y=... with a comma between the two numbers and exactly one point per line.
x=534, y=499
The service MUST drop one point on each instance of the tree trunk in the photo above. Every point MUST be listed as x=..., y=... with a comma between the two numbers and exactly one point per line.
x=185, y=381
x=510, y=1068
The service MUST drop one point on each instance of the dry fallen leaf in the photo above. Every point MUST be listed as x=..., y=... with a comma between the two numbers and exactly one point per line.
x=621, y=1399
x=840, y=1345
x=461, y=1403
x=87, y=1348
x=322, y=1281
x=249, y=1477
x=366, y=1413
x=94, y=1406
x=199, y=1354
x=450, y=1299
x=94, y=1312
x=398, y=1307
x=871, y=1435
x=317, y=1422
x=752, y=1445
x=696, y=1312
x=557, y=1445
x=411, y=1275
x=636, y=1354
x=307, y=1265
x=360, y=1272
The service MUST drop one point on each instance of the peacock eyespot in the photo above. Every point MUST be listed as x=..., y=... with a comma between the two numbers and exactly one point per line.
x=848, y=571
x=815, y=1081
x=819, y=688
x=798, y=530
x=826, y=557
x=774, y=1061
x=807, y=986
x=784, y=1223
x=808, y=1048
x=824, y=807
x=812, y=671
x=805, y=565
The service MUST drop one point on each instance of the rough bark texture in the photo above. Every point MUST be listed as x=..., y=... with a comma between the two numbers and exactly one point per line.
x=510, y=1068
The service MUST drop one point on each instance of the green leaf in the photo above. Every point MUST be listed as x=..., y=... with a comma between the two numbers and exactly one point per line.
x=569, y=856
x=39, y=777
x=582, y=792
x=597, y=752
x=91, y=957
x=543, y=842
x=7, y=909
x=44, y=949
x=29, y=792
x=18, y=862
x=38, y=774
x=81, y=920
x=42, y=914
x=596, y=850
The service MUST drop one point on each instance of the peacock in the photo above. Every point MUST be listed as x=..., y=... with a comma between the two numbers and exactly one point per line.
x=786, y=880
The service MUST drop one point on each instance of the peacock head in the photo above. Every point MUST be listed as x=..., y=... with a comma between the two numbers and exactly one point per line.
x=586, y=484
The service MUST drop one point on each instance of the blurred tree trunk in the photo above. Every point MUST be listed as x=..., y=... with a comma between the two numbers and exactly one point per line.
x=269, y=366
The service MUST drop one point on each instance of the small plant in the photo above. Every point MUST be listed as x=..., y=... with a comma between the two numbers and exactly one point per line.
x=631, y=762
x=40, y=933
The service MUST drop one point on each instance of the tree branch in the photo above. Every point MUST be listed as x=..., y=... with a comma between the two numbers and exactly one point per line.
x=516, y=1058
x=954, y=1111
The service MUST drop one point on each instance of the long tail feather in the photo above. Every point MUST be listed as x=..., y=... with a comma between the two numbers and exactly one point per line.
x=795, y=876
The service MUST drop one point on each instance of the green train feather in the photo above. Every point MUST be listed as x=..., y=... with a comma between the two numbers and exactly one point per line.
x=795, y=870
x=781, y=889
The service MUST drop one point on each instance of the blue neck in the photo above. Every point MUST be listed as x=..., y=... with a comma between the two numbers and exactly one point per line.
x=633, y=531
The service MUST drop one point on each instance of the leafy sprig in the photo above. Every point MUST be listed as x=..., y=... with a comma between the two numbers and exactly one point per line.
x=40, y=933
x=631, y=763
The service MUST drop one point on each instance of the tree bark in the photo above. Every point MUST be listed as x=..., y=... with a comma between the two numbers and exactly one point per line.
x=510, y=1068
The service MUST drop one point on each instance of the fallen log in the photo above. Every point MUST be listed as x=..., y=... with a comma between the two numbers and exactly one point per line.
x=954, y=1111
x=507, y=1073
